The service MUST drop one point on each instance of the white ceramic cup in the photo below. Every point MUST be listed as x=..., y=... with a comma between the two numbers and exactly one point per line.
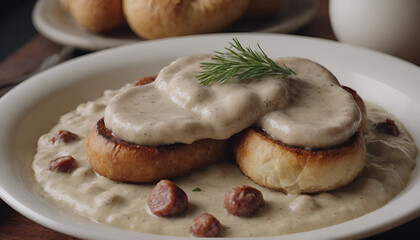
x=390, y=26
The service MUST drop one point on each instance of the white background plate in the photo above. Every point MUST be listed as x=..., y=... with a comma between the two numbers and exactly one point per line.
x=33, y=107
x=56, y=24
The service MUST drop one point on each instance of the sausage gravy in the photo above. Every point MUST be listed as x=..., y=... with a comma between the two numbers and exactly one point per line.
x=390, y=159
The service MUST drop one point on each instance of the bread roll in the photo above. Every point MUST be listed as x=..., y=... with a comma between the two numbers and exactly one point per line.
x=95, y=15
x=153, y=19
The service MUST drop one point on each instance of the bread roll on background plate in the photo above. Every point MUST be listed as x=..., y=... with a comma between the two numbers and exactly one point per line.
x=153, y=19
x=95, y=15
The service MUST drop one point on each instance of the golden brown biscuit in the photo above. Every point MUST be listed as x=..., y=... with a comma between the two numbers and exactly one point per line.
x=271, y=163
x=122, y=161
x=126, y=162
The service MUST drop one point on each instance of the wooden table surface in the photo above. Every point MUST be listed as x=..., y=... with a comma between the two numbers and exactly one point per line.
x=27, y=58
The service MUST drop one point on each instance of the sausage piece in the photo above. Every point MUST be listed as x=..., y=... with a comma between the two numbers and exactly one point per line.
x=206, y=225
x=62, y=164
x=64, y=136
x=388, y=127
x=243, y=201
x=167, y=199
x=145, y=80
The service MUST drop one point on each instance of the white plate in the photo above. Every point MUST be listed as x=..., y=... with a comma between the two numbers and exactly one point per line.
x=33, y=107
x=56, y=24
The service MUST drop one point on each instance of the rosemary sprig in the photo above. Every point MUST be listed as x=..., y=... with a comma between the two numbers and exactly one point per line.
x=240, y=62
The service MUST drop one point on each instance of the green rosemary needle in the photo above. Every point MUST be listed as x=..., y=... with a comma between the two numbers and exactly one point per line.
x=242, y=63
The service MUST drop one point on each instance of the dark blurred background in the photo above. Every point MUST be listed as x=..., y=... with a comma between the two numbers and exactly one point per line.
x=16, y=20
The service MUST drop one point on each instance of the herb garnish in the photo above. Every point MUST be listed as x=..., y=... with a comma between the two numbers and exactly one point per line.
x=240, y=62
x=196, y=189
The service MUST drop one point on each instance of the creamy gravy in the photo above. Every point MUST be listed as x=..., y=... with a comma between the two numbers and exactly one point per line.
x=389, y=163
x=308, y=109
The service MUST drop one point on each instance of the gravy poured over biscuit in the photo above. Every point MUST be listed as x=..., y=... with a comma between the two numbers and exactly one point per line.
x=309, y=109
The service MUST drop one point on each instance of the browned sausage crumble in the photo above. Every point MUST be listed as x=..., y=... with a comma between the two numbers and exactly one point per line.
x=145, y=80
x=62, y=164
x=167, y=199
x=243, y=201
x=64, y=136
x=206, y=225
x=388, y=127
